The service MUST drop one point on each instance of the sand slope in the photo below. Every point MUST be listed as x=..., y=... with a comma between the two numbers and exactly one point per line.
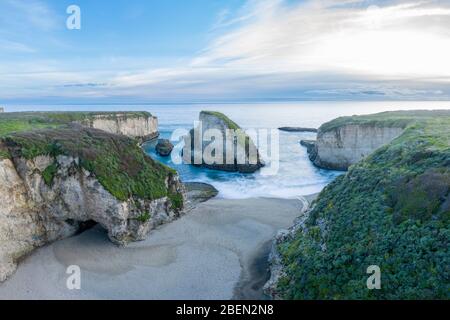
x=208, y=254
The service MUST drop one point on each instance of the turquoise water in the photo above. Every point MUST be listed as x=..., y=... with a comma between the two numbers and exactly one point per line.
x=296, y=175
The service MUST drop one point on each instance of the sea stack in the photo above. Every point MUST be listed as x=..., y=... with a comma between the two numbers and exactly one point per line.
x=219, y=143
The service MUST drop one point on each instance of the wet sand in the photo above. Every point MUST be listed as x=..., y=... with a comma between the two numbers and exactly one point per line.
x=255, y=273
x=217, y=251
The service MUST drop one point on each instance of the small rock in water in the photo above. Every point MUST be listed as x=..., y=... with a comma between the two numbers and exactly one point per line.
x=297, y=129
x=164, y=147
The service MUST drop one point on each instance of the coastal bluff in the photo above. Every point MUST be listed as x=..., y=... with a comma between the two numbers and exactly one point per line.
x=60, y=175
x=347, y=140
x=235, y=152
x=391, y=210
x=141, y=125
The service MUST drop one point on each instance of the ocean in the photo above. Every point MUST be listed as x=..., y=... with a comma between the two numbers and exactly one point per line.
x=296, y=175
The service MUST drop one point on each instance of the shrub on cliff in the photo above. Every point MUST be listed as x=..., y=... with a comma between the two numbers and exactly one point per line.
x=391, y=210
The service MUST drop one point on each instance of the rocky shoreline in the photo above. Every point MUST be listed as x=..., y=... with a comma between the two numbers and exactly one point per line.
x=198, y=192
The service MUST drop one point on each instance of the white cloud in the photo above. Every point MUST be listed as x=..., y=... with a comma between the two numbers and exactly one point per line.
x=316, y=48
x=273, y=46
x=20, y=20
x=406, y=40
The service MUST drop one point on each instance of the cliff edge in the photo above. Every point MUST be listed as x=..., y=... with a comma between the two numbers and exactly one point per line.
x=136, y=124
x=390, y=210
x=57, y=179
x=347, y=140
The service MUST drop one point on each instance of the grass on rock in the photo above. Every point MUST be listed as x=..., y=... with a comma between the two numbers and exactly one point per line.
x=397, y=119
x=25, y=121
x=230, y=123
x=117, y=161
x=242, y=138
x=146, y=216
x=49, y=173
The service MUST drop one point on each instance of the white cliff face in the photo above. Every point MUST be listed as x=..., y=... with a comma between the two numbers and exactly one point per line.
x=136, y=127
x=233, y=155
x=20, y=227
x=33, y=213
x=346, y=145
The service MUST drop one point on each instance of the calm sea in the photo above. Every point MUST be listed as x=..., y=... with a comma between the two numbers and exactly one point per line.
x=296, y=175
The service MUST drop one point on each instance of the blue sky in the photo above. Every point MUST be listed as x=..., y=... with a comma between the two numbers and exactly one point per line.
x=224, y=50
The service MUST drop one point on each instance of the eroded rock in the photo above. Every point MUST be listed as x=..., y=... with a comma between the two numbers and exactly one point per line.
x=346, y=145
x=52, y=196
x=234, y=150
x=164, y=147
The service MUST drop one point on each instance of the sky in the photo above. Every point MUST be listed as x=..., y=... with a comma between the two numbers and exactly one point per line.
x=140, y=51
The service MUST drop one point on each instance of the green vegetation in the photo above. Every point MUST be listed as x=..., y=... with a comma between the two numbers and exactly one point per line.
x=230, y=123
x=4, y=152
x=25, y=121
x=390, y=210
x=49, y=173
x=117, y=161
x=145, y=217
x=176, y=199
x=242, y=138
x=21, y=125
x=399, y=119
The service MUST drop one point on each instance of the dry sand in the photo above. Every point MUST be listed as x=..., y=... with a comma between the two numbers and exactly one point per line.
x=217, y=251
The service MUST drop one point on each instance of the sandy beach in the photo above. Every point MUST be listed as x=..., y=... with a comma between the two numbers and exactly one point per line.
x=217, y=251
